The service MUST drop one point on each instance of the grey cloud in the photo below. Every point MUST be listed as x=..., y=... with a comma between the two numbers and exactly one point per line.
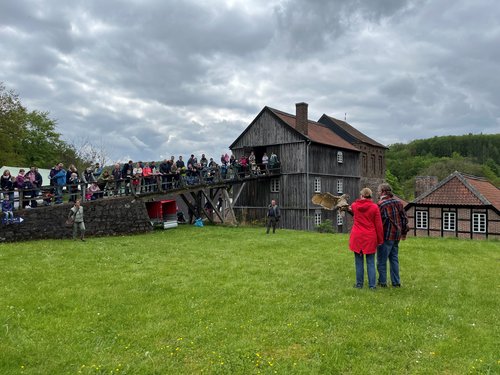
x=156, y=78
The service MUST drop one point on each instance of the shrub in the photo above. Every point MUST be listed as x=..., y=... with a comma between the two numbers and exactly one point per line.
x=326, y=227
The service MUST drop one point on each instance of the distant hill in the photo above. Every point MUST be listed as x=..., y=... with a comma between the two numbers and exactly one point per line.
x=476, y=154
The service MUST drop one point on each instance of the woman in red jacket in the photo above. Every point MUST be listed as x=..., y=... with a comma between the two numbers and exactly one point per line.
x=366, y=234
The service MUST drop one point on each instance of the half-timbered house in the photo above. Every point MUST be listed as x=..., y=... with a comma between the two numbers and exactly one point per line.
x=460, y=206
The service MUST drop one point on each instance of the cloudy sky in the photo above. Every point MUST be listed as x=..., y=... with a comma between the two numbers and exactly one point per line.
x=153, y=78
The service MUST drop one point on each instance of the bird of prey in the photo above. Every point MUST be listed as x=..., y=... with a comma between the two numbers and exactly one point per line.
x=331, y=202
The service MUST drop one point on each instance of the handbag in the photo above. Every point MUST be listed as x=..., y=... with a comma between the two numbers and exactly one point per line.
x=69, y=221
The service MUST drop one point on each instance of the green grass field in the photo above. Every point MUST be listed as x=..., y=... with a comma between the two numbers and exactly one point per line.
x=218, y=300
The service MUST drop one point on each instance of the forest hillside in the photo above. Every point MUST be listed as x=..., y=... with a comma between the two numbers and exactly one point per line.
x=475, y=154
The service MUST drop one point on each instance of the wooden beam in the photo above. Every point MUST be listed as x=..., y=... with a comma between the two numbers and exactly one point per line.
x=213, y=208
x=237, y=195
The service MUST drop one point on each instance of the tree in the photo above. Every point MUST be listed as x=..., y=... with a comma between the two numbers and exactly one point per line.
x=12, y=115
x=29, y=138
x=394, y=182
x=89, y=153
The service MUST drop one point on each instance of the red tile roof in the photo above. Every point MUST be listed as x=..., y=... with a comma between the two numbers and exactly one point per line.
x=462, y=190
x=486, y=189
x=317, y=132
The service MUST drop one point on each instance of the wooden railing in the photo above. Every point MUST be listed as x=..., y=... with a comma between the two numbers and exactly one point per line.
x=57, y=194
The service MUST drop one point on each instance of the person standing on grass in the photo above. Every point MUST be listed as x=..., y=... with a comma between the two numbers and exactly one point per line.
x=366, y=234
x=273, y=216
x=76, y=213
x=395, y=223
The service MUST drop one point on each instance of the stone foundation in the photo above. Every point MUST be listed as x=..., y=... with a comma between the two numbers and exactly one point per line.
x=105, y=217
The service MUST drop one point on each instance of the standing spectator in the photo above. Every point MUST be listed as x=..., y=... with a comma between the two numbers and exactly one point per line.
x=7, y=185
x=97, y=171
x=76, y=213
x=37, y=184
x=52, y=173
x=273, y=216
x=147, y=175
x=175, y=175
x=19, y=179
x=155, y=176
x=88, y=176
x=117, y=177
x=274, y=162
x=127, y=174
x=366, y=234
x=60, y=181
x=165, y=168
x=71, y=169
x=136, y=179
x=395, y=223
x=180, y=163
x=191, y=161
x=203, y=161
x=265, y=161
x=252, y=162
x=26, y=190
x=7, y=209
x=73, y=187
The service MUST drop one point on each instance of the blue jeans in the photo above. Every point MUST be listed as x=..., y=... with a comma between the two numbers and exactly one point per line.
x=388, y=250
x=360, y=272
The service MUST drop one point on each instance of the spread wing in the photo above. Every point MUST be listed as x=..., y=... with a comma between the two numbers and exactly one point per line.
x=330, y=201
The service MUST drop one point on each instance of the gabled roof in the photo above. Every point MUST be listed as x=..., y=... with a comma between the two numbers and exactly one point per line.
x=317, y=132
x=462, y=190
x=347, y=131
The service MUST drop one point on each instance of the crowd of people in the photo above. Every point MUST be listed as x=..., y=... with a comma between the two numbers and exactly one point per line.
x=128, y=178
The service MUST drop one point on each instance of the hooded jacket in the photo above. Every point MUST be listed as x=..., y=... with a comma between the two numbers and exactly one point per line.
x=367, y=231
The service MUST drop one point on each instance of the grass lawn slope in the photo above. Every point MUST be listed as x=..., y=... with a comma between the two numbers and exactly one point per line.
x=218, y=300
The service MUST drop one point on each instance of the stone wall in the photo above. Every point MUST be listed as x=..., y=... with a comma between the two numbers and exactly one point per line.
x=105, y=217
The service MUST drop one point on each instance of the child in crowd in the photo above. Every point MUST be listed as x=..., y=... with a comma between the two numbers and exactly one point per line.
x=7, y=209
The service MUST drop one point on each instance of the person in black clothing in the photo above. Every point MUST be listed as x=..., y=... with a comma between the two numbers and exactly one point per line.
x=165, y=168
x=127, y=172
x=273, y=216
x=180, y=163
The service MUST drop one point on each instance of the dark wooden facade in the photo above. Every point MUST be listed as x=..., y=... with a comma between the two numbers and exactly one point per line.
x=372, y=153
x=308, y=161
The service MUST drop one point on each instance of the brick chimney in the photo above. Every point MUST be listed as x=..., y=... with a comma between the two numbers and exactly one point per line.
x=301, y=117
x=424, y=184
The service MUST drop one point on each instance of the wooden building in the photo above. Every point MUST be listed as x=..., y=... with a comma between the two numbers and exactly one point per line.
x=372, y=157
x=460, y=206
x=313, y=159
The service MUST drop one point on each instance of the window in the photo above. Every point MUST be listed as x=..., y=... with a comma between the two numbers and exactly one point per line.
x=340, y=219
x=317, y=217
x=317, y=184
x=422, y=219
x=449, y=221
x=364, y=162
x=340, y=186
x=372, y=160
x=380, y=165
x=340, y=157
x=479, y=223
x=275, y=185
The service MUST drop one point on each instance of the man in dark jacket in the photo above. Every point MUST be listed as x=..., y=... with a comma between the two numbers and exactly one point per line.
x=273, y=216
